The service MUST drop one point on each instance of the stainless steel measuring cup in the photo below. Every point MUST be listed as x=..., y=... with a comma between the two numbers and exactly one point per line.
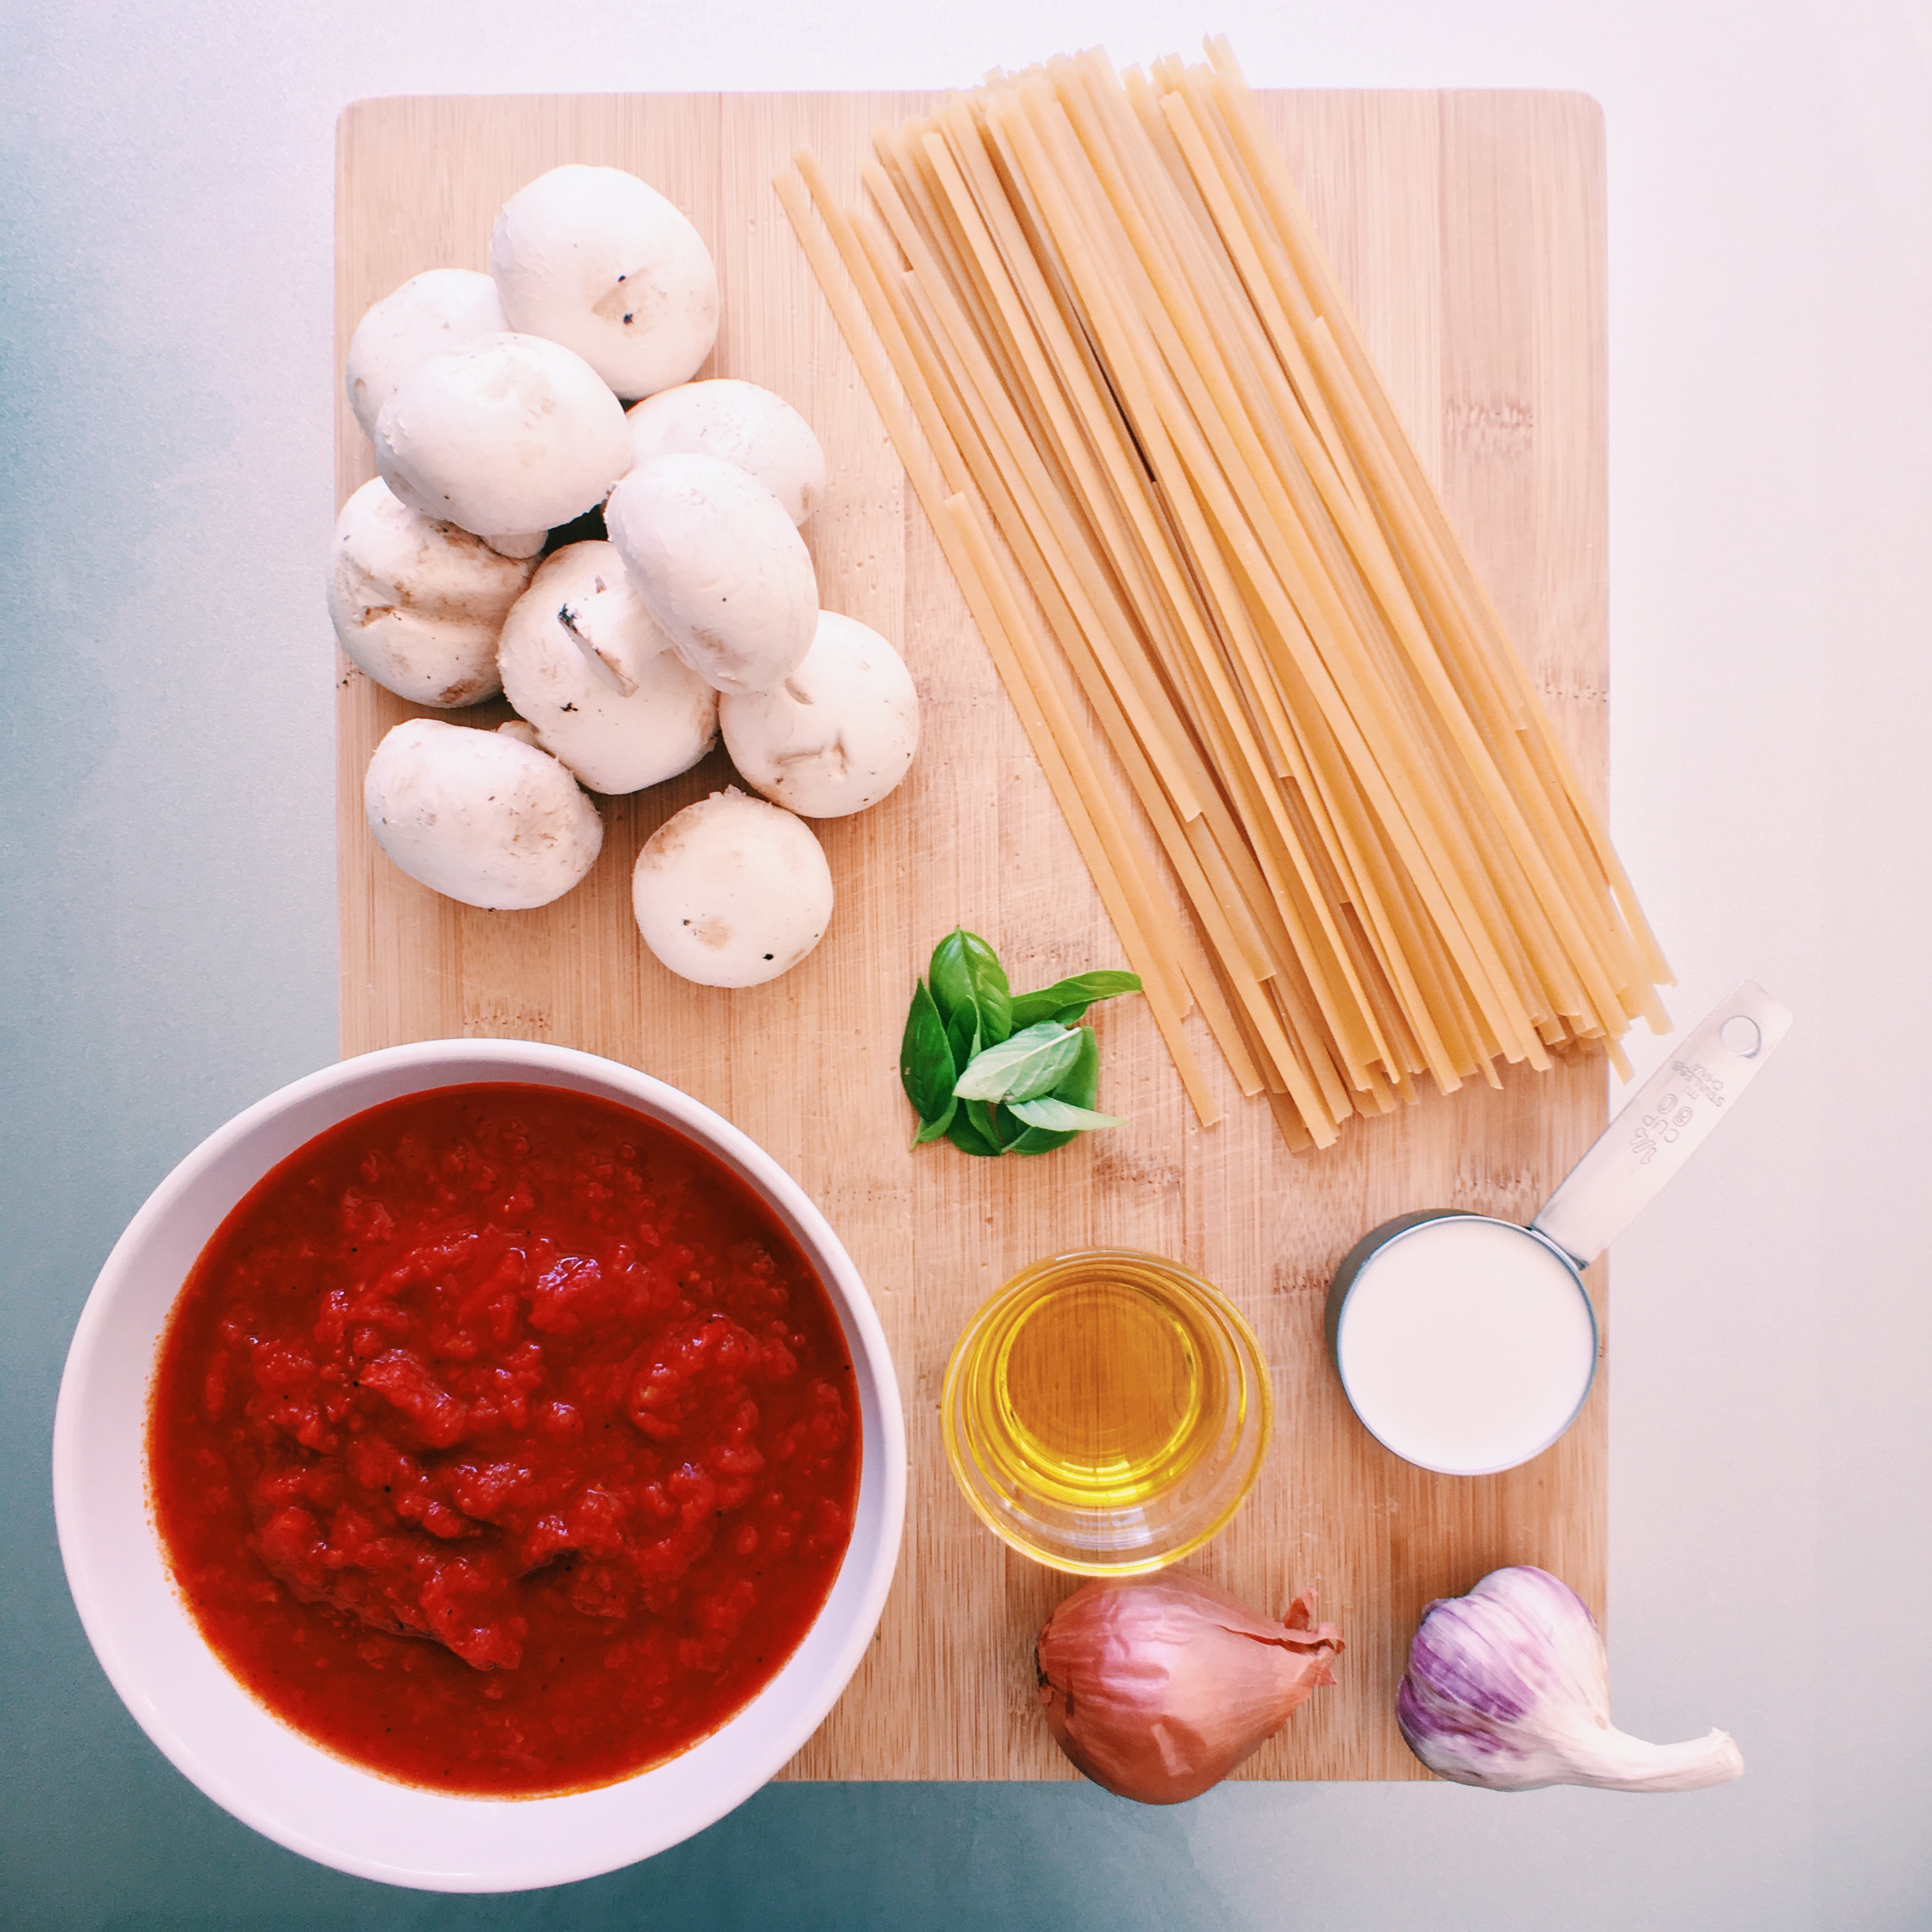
x=1466, y=1344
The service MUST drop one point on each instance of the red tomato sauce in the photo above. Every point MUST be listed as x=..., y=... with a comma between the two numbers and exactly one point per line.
x=502, y=1440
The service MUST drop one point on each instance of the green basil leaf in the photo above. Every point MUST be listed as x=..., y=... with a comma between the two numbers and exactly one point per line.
x=932, y=1129
x=969, y=1138
x=1043, y=1074
x=1030, y=1064
x=1080, y=1087
x=949, y=975
x=965, y=968
x=1077, y=994
x=962, y=1036
x=1057, y=1115
x=927, y=1068
x=996, y=1014
x=1023, y=1139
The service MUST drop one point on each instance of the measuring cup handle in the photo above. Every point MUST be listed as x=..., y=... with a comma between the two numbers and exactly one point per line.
x=1663, y=1124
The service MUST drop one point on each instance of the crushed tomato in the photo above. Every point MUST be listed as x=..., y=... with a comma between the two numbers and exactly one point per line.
x=503, y=1440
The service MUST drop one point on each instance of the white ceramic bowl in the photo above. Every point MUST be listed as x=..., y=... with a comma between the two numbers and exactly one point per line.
x=270, y=1776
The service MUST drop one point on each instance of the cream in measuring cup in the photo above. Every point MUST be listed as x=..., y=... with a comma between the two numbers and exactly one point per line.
x=1467, y=1345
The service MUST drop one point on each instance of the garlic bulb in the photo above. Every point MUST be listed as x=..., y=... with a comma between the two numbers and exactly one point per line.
x=1509, y=1688
x=1157, y=1689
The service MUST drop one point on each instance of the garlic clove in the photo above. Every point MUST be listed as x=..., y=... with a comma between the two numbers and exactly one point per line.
x=1156, y=1689
x=1508, y=1688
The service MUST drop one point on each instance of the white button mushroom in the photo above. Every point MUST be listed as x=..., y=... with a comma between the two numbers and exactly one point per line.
x=740, y=424
x=579, y=629
x=601, y=262
x=508, y=436
x=836, y=736
x=479, y=816
x=430, y=312
x=416, y=604
x=722, y=565
x=732, y=892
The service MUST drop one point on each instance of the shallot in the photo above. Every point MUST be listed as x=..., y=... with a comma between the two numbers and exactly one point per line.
x=1158, y=1689
x=1509, y=1688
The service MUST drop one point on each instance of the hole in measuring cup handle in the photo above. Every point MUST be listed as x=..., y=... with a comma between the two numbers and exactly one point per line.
x=1741, y=1035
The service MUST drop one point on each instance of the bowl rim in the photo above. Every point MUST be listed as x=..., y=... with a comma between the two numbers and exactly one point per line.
x=510, y=1060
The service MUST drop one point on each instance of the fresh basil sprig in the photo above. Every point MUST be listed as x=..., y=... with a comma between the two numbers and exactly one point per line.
x=994, y=1074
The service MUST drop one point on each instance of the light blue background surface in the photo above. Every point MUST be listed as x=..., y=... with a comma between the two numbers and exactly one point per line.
x=166, y=903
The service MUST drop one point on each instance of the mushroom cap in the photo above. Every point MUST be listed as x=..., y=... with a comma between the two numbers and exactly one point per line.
x=416, y=604
x=836, y=735
x=741, y=424
x=575, y=635
x=599, y=261
x=524, y=546
x=722, y=565
x=479, y=816
x=731, y=892
x=430, y=312
x=504, y=435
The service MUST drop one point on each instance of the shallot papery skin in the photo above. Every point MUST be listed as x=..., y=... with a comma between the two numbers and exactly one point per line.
x=1509, y=1688
x=1157, y=1689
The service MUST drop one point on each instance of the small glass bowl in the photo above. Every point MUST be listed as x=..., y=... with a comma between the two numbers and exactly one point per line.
x=1106, y=1412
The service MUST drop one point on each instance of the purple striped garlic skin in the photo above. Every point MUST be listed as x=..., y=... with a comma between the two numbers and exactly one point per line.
x=1508, y=1688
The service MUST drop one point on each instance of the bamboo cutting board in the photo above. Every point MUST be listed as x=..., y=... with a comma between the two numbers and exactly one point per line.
x=1468, y=230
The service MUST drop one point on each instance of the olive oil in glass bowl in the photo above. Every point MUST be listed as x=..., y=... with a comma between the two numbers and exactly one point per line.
x=1106, y=1412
